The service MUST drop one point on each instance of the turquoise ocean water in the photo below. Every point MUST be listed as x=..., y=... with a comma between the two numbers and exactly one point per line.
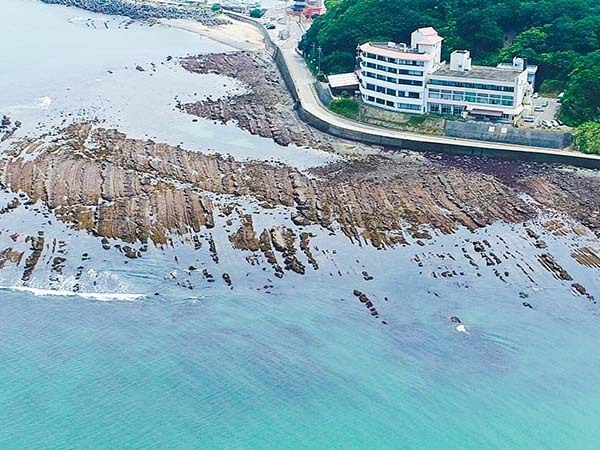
x=238, y=372
x=305, y=367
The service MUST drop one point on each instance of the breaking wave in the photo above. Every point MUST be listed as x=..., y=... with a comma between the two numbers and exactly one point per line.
x=43, y=102
x=101, y=296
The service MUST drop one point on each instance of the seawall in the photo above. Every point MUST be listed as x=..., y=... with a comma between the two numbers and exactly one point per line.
x=415, y=142
x=451, y=148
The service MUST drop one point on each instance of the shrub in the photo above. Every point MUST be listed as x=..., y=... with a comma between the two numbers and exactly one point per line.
x=587, y=137
x=345, y=107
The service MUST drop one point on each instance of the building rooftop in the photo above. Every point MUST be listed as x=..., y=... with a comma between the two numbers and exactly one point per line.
x=530, y=67
x=479, y=72
x=429, y=36
x=396, y=51
x=430, y=40
x=427, y=31
x=343, y=80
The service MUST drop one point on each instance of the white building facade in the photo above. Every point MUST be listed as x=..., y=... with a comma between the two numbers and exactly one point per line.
x=414, y=80
x=393, y=76
x=479, y=92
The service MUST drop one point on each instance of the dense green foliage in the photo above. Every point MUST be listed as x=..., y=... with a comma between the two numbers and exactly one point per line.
x=558, y=35
x=582, y=96
x=587, y=137
x=345, y=107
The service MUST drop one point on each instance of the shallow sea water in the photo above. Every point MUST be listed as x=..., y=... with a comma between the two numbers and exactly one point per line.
x=305, y=367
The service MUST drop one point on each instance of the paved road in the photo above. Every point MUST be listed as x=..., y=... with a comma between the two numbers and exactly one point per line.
x=310, y=103
x=305, y=90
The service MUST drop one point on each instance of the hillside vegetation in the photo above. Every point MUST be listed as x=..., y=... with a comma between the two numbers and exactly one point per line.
x=561, y=36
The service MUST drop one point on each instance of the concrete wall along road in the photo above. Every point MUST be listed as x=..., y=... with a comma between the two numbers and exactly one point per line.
x=323, y=92
x=506, y=133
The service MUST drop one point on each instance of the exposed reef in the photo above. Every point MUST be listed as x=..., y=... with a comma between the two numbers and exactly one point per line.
x=265, y=109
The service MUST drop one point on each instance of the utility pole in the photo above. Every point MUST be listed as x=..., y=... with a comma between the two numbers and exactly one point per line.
x=320, y=49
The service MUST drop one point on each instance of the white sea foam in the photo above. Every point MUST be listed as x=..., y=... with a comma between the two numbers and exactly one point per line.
x=101, y=296
x=462, y=329
x=43, y=102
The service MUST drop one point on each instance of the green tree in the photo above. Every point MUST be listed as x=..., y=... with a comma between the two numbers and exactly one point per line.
x=581, y=102
x=338, y=62
x=529, y=44
x=257, y=13
x=587, y=137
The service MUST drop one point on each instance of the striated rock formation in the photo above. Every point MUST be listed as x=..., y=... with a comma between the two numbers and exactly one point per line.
x=245, y=238
x=135, y=190
x=272, y=116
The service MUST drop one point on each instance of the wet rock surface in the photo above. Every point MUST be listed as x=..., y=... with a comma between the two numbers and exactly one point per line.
x=137, y=194
x=8, y=127
x=265, y=110
x=138, y=190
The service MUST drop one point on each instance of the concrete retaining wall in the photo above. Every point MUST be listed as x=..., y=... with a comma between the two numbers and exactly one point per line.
x=506, y=133
x=323, y=92
x=276, y=53
x=452, y=148
x=286, y=75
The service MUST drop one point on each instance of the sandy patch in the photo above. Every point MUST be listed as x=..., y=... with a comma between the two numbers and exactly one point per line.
x=236, y=34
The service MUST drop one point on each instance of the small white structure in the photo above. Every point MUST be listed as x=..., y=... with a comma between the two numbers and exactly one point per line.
x=343, y=82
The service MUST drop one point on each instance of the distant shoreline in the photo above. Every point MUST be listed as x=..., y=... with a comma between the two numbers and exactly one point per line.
x=143, y=11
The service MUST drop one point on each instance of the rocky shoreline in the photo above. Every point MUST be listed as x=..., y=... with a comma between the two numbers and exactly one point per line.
x=266, y=109
x=145, y=193
x=143, y=10
x=138, y=194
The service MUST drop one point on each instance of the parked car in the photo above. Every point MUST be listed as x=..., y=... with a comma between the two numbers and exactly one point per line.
x=554, y=123
x=546, y=123
x=544, y=104
x=535, y=95
x=538, y=109
x=559, y=97
x=269, y=26
x=529, y=119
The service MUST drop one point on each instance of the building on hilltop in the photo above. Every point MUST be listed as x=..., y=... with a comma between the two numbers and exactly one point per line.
x=415, y=80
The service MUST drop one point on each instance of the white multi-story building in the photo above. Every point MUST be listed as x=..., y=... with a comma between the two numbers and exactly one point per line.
x=477, y=91
x=414, y=80
x=393, y=75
